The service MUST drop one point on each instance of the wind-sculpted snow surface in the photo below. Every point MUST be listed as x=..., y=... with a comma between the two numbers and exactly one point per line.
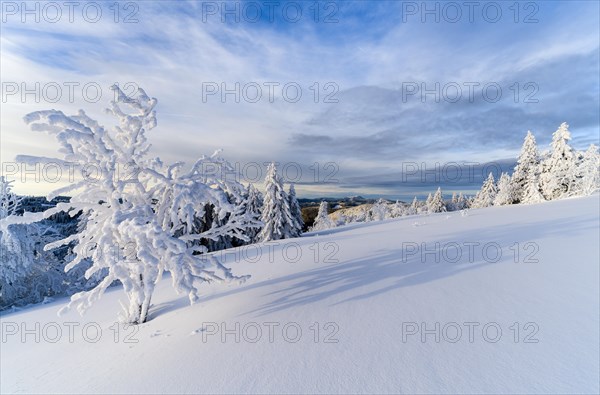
x=500, y=300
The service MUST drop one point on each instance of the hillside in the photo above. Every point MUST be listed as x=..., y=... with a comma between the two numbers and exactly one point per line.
x=351, y=214
x=514, y=291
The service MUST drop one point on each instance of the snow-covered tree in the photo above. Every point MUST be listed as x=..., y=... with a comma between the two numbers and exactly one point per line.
x=428, y=200
x=452, y=206
x=296, y=210
x=558, y=171
x=462, y=202
x=435, y=203
x=397, y=210
x=505, y=193
x=141, y=224
x=278, y=220
x=485, y=197
x=588, y=171
x=9, y=201
x=254, y=202
x=379, y=211
x=413, y=209
x=16, y=257
x=527, y=163
x=532, y=194
x=322, y=221
x=29, y=274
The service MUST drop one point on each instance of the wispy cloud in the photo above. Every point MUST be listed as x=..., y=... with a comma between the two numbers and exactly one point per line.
x=369, y=54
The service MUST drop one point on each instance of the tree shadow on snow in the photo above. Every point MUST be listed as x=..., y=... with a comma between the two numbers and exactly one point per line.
x=374, y=272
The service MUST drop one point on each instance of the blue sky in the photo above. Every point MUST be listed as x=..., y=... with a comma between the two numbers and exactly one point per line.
x=368, y=56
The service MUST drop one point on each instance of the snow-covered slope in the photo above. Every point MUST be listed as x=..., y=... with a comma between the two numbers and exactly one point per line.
x=545, y=301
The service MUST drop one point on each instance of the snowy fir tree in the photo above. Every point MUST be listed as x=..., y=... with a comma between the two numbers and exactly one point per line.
x=379, y=211
x=296, y=209
x=254, y=202
x=505, y=193
x=485, y=197
x=413, y=209
x=558, y=170
x=532, y=194
x=462, y=202
x=278, y=221
x=397, y=210
x=322, y=221
x=140, y=225
x=527, y=162
x=458, y=202
x=588, y=172
x=428, y=200
x=435, y=203
x=453, y=205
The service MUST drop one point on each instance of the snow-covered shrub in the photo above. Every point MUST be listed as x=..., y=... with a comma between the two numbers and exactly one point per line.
x=140, y=225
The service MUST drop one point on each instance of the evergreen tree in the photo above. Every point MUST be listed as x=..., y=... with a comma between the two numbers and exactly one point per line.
x=532, y=194
x=413, y=209
x=296, y=210
x=277, y=218
x=505, y=192
x=379, y=211
x=485, y=197
x=588, y=172
x=397, y=210
x=436, y=204
x=558, y=171
x=528, y=162
x=253, y=207
x=322, y=221
x=462, y=202
x=452, y=206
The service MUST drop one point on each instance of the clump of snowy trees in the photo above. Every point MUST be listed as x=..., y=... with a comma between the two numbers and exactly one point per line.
x=130, y=230
x=558, y=173
x=28, y=274
x=157, y=219
x=162, y=218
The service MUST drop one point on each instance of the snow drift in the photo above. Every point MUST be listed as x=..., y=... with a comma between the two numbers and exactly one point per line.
x=502, y=300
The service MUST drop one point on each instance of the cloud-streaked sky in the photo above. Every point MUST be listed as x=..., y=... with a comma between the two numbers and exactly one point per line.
x=367, y=55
